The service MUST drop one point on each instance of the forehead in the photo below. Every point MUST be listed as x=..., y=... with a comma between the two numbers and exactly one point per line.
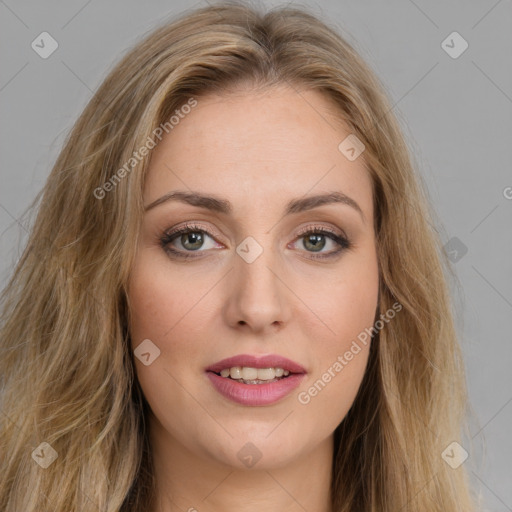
x=259, y=147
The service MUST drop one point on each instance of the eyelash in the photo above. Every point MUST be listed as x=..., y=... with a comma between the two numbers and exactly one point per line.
x=168, y=238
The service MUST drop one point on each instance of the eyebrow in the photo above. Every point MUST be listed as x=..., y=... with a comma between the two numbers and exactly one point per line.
x=220, y=205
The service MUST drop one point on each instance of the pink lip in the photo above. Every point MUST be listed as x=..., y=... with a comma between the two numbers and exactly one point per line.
x=256, y=394
x=269, y=361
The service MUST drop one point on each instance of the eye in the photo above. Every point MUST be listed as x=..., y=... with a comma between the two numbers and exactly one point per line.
x=191, y=237
x=314, y=239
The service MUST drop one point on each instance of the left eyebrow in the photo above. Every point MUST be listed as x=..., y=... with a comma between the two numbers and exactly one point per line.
x=310, y=202
x=224, y=206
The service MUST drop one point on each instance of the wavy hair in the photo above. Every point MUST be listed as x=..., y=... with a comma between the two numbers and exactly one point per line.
x=67, y=372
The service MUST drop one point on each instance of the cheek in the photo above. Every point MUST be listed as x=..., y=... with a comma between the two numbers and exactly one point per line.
x=353, y=308
x=161, y=301
x=341, y=358
x=168, y=308
x=342, y=352
x=346, y=303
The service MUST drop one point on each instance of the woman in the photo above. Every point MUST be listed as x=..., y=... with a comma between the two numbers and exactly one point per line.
x=232, y=296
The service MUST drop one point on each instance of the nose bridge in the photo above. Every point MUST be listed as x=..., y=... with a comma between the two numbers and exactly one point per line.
x=257, y=293
x=255, y=264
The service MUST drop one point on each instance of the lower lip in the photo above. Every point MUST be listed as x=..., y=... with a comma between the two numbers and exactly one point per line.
x=255, y=394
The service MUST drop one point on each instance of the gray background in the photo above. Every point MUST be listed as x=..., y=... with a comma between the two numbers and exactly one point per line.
x=456, y=115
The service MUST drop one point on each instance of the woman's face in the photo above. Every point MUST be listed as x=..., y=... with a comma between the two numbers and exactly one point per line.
x=249, y=280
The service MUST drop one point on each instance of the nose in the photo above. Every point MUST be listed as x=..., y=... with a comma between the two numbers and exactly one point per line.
x=258, y=298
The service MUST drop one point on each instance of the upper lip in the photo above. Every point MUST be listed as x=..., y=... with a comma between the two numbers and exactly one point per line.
x=268, y=361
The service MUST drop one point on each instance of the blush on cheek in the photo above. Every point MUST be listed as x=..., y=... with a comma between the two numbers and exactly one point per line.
x=353, y=315
x=152, y=301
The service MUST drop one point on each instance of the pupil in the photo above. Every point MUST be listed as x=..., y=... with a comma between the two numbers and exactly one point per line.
x=196, y=238
x=316, y=242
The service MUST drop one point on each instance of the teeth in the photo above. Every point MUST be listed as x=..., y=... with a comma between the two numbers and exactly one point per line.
x=253, y=374
x=235, y=372
x=249, y=373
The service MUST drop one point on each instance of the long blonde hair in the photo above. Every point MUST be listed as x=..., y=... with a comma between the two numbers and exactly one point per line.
x=67, y=372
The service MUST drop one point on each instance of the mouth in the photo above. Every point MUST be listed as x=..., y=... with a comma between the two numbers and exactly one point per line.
x=252, y=380
x=251, y=375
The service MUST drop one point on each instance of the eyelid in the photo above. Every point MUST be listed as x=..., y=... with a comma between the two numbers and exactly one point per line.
x=192, y=226
x=320, y=227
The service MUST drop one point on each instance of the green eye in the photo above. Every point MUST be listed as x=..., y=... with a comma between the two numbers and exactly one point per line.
x=192, y=238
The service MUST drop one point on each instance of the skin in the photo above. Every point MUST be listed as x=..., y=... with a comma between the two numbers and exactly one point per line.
x=258, y=150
